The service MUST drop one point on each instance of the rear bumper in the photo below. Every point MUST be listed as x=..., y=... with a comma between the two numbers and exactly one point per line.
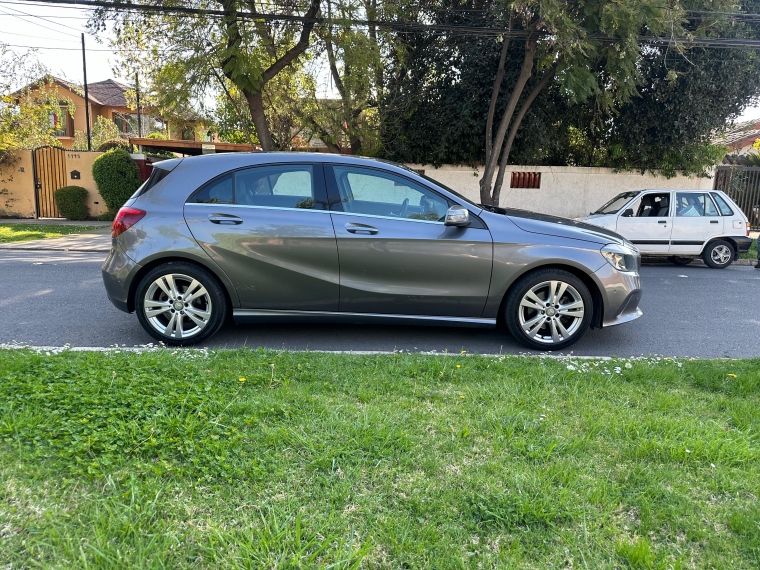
x=117, y=271
x=742, y=243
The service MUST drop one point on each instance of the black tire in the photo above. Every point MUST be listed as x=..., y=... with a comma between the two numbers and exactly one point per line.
x=715, y=253
x=576, y=326
x=678, y=260
x=184, y=274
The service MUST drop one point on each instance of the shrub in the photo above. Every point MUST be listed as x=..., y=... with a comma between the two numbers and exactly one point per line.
x=115, y=143
x=157, y=135
x=117, y=177
x=70, y=201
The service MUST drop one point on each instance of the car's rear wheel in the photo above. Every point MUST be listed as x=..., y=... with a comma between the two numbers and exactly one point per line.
x=678, y=260
x=180, y=303
x=548, y=309
x=718, y=254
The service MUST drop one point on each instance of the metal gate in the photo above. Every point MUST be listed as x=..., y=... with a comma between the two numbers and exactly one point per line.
x=49, y=176
x=742, y=184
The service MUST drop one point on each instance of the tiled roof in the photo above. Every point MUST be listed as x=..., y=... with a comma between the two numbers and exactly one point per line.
x=108, y=92
x=747, y=131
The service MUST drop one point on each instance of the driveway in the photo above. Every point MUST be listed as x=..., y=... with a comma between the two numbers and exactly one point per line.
x=50, y=298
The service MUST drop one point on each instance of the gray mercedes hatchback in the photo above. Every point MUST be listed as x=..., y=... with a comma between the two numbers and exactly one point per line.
x=273, y=237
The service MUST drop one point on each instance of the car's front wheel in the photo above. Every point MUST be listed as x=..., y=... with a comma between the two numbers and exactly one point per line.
x=548, y=309
x=180, y=303
x=718, y=254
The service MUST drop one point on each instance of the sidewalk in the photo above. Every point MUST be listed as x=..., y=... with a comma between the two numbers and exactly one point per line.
x=95, y=241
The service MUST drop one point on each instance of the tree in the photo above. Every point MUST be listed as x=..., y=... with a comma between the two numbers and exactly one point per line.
x=103, y=130
x=194, y=54
x=31, y=108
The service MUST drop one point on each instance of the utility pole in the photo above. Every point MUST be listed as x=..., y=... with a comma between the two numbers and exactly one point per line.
x=86, y=98
x=137, y=93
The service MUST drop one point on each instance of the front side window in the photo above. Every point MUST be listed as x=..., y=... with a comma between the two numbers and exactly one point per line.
x=691, y=204
x=652, y=205
x=376, y=193
x=725, y=209
x=279, y=186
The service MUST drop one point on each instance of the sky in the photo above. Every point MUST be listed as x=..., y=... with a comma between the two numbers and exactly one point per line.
x=56, y=32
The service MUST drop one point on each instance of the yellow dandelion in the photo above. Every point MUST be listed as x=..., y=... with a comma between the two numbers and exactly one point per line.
x=462, y=397
x=732, y=375
x=464, y=352
x=459, y=366
x=242, y=379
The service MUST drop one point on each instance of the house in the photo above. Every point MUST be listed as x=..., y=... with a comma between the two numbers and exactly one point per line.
x=740, y=138
x=108, y=100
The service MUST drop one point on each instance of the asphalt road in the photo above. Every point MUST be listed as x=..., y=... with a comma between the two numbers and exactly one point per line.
x=51, y=298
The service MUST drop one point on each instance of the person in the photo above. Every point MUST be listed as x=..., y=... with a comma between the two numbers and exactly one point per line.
x=757, y=265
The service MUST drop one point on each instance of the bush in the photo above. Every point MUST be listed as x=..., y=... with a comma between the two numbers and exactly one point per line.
x=117, y=177
x=115, y=143
x=70, y=201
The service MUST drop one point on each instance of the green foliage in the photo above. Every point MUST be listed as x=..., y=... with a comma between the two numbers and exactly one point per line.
x=157, y=136
x=71, y=202
x=117, y=177
x=28, y=232
x=378, y=461
x=103, y=131
x=114, y=143
x=28, y=99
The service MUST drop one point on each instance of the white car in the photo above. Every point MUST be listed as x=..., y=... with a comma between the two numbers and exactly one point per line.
x=679, y=224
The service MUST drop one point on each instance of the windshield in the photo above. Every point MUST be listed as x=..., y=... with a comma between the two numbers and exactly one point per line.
x=614, y=205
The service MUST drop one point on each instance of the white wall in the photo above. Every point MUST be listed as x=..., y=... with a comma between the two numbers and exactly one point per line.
x=565, y=190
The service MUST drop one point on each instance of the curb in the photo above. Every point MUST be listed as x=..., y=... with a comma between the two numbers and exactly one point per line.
x=695, y=263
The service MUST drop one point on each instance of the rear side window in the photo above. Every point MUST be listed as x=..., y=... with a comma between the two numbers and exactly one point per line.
x=218, y=191
x=155, y=177
x=279, y=186
x=724, y=208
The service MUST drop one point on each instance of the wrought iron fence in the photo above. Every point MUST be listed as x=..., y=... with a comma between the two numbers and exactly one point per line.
x=742, y=184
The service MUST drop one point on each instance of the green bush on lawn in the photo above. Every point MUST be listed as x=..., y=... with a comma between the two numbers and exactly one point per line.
x=117, y=177
x=115, y=143
x=71, y=202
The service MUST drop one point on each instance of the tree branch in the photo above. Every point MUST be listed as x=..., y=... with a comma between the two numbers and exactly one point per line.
x=296, y=50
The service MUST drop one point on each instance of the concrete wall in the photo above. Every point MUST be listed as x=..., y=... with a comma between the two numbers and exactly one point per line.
x=82, y=163
x=17, y=187
x=17, y=184
x=565, y=191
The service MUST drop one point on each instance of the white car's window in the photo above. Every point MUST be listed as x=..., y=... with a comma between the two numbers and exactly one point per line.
x=691, y=204
x=375, y=193
x=725, y=209
x=654, y=205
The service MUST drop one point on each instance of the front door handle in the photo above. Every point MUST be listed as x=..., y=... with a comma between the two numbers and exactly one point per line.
x=662, y=221
x=713, y=221
x=353, y=228
x=224, y=219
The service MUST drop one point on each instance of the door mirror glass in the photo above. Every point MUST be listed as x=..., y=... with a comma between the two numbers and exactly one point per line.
x=628, y=213
x=457, y=216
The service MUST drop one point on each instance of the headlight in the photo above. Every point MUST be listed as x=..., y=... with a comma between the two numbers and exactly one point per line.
x=621, y=257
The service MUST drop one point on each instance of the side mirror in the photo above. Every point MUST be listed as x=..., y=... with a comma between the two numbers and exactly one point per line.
x=628, y=213
x=457, y=216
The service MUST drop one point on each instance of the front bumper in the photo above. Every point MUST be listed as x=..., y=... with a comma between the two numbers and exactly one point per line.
x=116, y=270
x=621, y=293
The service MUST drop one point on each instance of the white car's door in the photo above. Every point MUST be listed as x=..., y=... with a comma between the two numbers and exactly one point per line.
x=696, y=220
x=648, y=222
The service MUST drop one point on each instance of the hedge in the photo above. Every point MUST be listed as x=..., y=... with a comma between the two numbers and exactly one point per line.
x=71, y=202
x=115, y=143
x=117, y=177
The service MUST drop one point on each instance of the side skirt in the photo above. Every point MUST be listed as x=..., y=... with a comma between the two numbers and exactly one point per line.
x=249, y=316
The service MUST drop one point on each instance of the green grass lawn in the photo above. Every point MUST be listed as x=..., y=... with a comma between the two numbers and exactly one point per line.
x=256, y=459
x=28, y=232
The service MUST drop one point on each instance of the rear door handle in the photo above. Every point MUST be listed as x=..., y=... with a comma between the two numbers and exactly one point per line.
x=713, y=221
x=224, y=219
x=662, y=221
x=353, y=228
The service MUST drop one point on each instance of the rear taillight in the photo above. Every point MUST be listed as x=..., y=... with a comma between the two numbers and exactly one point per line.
x=125, y=219
x=747, y=229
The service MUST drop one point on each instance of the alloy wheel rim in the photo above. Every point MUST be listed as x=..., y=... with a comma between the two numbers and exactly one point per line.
x=721, y=254
x=551, y=312
x=177, y=306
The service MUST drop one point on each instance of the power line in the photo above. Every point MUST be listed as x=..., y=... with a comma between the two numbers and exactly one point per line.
x=37, y=37
x=42, y=18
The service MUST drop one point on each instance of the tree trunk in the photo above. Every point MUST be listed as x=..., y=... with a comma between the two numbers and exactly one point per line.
x=259, y=118
x=495, y=96
x=546, y=78
x=495, y=151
